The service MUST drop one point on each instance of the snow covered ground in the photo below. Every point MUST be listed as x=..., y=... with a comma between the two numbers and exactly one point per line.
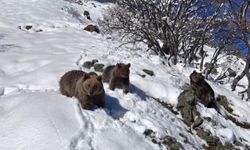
x=35, y=116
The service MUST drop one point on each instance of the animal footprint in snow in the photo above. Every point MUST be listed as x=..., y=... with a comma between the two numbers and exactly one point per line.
x=30, y=27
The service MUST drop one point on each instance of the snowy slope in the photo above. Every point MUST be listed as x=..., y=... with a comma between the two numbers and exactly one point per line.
x=35, y=116
x=36, y=120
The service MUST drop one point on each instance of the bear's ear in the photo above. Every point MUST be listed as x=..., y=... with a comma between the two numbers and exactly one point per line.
x=86, y=76
x=194, y=71
x=128, y=65
x=99, y=78
x=118, y=65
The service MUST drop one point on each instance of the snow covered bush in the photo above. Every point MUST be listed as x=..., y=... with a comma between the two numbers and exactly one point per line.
x=170, y=28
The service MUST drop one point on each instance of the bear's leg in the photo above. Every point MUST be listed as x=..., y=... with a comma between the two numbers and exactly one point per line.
x=112, y=84
x=211, y=102
x=125, y=90
x=64, y=92
x=125, y=86
x=86, y=105
x=101, y=103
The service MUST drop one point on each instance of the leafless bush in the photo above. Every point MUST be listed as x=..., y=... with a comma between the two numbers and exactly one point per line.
x=168, y=27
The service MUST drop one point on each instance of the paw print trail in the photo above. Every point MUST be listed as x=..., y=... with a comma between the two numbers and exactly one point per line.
x=83, y=139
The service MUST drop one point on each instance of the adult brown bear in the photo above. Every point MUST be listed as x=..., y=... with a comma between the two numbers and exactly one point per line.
x=202, y=89
x=86, y=87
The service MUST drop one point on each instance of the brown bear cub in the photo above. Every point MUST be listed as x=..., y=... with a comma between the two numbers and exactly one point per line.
x=86, y=87
x=202, y=89
x=117, y=76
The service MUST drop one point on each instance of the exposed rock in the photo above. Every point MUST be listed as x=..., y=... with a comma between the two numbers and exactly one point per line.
x=227, y=146
x=142, y=75
x=244, y=125
x=214, y=71
x=214, y=123
x=198, y=121
x=99, y=67
x=1, y=91
x=166, y=141
x=208, y=119
x=87, y=64
x=238, y=143
x=172, y=143
x=222, y=100
x=202, y=133
x=86, y=14
x=149, y=72
x=166, y=105
x=208, y=66
x=92, y=28
x=28, y=27
x=210, y=139
x=213, y=141
x=231, y=72
x=185, y=138
x=39, y=30
x=187, y=97
x=155, y=142
x=187, y=114
x=186, y=105
x=94, y=61
x=148, y=132
x=79, y=2
x=109, y=37
x=93, y=5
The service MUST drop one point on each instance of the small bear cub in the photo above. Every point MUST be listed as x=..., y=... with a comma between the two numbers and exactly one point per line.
x=86, y=87
x=117, y=76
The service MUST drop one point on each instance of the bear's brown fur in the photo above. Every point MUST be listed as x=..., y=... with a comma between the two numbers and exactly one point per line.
x=117, y=76
x=92, y=28
x=86, y=87
x=202, y=89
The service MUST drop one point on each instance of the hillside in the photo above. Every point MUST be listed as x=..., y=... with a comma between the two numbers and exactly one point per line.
x=40, y=40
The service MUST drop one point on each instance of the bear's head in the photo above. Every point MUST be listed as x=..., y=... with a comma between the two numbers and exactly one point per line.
x=92, y=84
x=122, y=70
x=196, y=77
